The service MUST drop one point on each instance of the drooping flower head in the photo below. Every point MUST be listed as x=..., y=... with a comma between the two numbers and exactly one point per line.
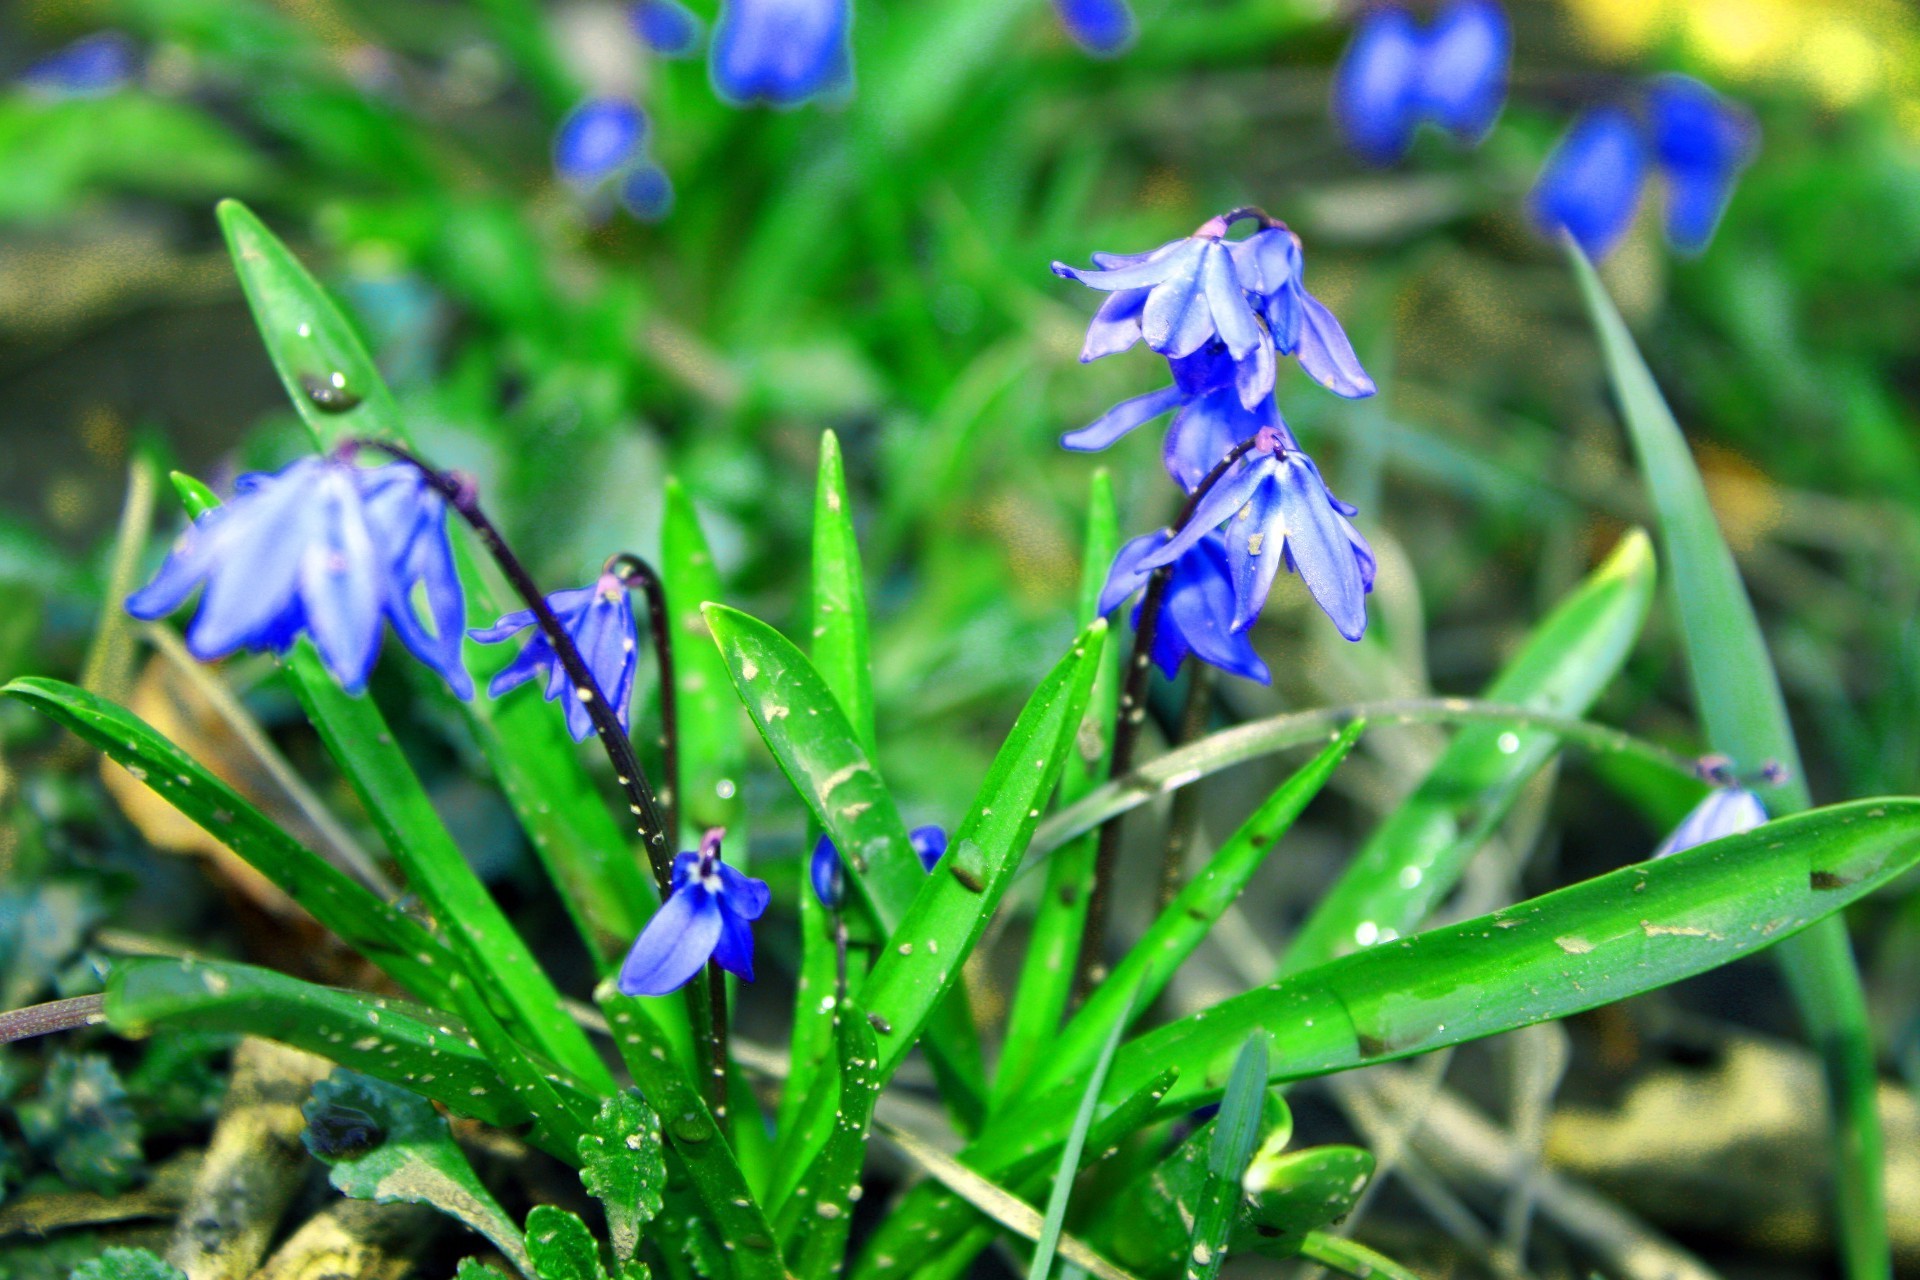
x=708, y=916
x=1104, y=28
x=598, y=139
x=1590, y=184
x=599, y=619
x=1727, y=810
x=829, y=877
x=1272, y=508
x=1197, y=610
x=781, y=52
x=1394, y=76
x=647, y=193
x=90, y=67
x=667, y=27
x=325, y=549
x=1701, y=142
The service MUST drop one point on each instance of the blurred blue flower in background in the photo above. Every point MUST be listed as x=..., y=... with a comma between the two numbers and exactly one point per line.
x=319, y=548
x=1196, y=613
x=829, y=877
x=1727, y=811
x=1394, y=76
x=597, y=139
x=929, y=845
x=708, y=915
x=781, y=52
x=1104, y=28
x=600, y=621
x=89, y=67
x=1592, y=180
x=647, y=192
x=667, y=27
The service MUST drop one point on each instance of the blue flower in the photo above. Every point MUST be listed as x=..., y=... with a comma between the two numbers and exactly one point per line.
x=1590, y=184
x=1276, y=510
x=781, y=52
x=708, y=916
x=88, y=68
x=1393, y=76
x=597, y=139
x=1701, y=141
x=1196, y=613
x=1728, y=810
x=667, y=27
x=647, y=192
x=1104, y=28
x=600, y=621
x=1271, y=262
x=1179, y=297
x=321, y=548
x=829, y=877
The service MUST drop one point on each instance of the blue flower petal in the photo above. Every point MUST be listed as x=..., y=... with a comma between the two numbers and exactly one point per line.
x=344, y=585
x=1702, y=142
x=828, y=876
x=1104, y=28
x=1200, y=609
x=1376, y=84
x=1135, y=271
x=1726, y=811
x=1327, y=355
x=781, y=52
x=675, y=944
x=253, y=558
x=1228, y=495
x=1116, y=325
x=930, y=844
x=1231, y=317
x=1120, y=419
x=1318, y=547
x=743, y=895
x=1591, y=182
x=1463, y=74
x=667, y=27
x=1177, y=320
x=596, y=138
x=734, y=951
x=89, y=67
x=1127, y=573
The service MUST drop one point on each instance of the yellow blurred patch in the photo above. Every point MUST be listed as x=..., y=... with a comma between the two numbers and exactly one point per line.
x=1621, y=28
x=1743, y=496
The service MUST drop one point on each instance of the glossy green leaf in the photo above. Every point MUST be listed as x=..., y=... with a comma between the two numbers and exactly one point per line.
x=814, y=1220
x=1290, y=1193
x=925, y=953
x=1415, y=857
x=489, y=948
x=694, y=1138
x=378, y=931
x=712, y=752
x=1152, y=961
x=1053, y=943
x=561, y=1247
x=623, y=1164
x=1633, y=930
x=1737, y=693
x=383, y=1143
x=417, y=1048
x=196, y=497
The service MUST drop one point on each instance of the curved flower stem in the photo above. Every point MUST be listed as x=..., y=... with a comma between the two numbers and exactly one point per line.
x=633, y=571
x=55, y=1015
x=1088, y=968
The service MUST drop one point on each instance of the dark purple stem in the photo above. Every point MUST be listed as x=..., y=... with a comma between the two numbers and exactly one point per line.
x=1088, y=968
x=55, y=1015
x=633, y=571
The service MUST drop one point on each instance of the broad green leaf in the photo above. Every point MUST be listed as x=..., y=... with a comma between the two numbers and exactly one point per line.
x=694, y=1138
x=1737, y=693
x=127, y=1264
x=386, y=1144
x=1633, y=930
x=712, y=753
x=1413, y=859
x=378, y=931
x=814, y=1219
x=496, y=958
x=1152, y=961
x=925, y=953
x=623, y=1164
x=560, y=1246
x=1046, y=975
x=420, y=1049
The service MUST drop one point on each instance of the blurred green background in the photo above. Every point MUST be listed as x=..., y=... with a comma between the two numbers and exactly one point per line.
x=880, y=268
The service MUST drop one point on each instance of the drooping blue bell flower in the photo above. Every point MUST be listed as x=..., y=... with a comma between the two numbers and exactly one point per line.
x=1701, y=141
x=324, y=549
x=1276, y=509
x=90, y=67
x=599, y=619
x=1104, y=28
x=1590, y=184
x=1210, y=421
x=1179, y=297
x=1271, y=263
x=667, y=27
x=647, y=192
x=829, y=877
x=781, y=52
x=1196, y=613
x=1728, y=810
x=597, y=139
x=709, y=915
x=1394, y=76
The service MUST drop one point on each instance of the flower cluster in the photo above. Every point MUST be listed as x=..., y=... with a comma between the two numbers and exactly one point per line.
x=708, y=916
x=1221, y=311
x=1396, y=75
x=599, y=621
x=603, y=143
x=1696, y=140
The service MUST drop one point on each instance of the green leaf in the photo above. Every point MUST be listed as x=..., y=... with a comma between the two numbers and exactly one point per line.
x=1235, y=1131
x=1413, y=859
x=1291, y=1193
x=623, y=1164
x=1055, y=1220
x=694, y=1138
x=1045, y=988
x=385, y=1144
x=421, y=1049
x=376, y=930
x=1633, y=930
x=1350, y=1258
x=1738, y=696
x=561, y=1247
x=814, y=1220
x=1152, y=961
x=712, y=753
x=197, y=498
x=474, y=1269
x=925, y=953
x=127, y=1264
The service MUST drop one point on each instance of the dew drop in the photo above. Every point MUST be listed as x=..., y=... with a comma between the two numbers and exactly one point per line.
x=331, y=393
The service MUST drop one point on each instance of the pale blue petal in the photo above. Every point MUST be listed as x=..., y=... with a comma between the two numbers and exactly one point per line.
x=674, y=945
x=1325, y=353
x=1120, y=419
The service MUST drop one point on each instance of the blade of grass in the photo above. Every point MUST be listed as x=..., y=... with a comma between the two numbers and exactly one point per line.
x=1235, y=1131
x=108, y=669
x=1737, y=693
x=1056, y=1217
